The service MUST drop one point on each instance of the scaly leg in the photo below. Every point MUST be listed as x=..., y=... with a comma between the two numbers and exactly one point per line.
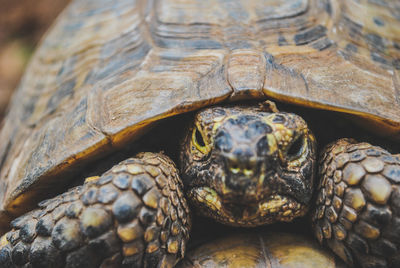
x=134, y=215
x=358, y=205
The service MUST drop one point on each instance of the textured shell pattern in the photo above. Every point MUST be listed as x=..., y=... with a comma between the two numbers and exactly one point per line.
x=108, y=69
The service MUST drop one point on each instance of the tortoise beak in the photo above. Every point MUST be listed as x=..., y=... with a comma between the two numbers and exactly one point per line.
x=250, y=157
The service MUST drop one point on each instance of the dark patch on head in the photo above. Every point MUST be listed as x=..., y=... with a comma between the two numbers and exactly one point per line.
x=396, y=45
x=244, y=119
x=378, y=58
x=295, y=148
x=351, y=48
x=378, y=21
x=307, y=172
x=257, y=128
x=292, y=185
x=282, y=41
x=235, y=209
x=219, y=112
x=237, y=183
x=243, y=155
x=262, y=147
x=199, y=138
x=310, y=35
x=65, y=90
x=241, y=120
x=376, y=41
x=223, y=141
x=232, y=121
x=280, y=119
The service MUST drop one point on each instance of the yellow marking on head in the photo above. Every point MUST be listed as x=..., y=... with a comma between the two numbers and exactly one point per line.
x=224, y=188
x=261, y=179
x=206, y=148
x=220, y=119
x=213, y=199
x=273, y=205
x=209, y=197
x=3, y=241
x=272, y=143
x=248, y=172
x=235, y=170
x=217, y=123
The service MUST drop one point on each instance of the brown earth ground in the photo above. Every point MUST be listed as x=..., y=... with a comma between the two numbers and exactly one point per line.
x=22, y=24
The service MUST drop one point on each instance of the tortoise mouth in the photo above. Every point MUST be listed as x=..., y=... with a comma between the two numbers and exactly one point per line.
x=266, y=210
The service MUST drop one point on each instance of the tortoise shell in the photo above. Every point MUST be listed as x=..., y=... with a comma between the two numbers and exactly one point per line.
x=260, y=249
x=108, y=69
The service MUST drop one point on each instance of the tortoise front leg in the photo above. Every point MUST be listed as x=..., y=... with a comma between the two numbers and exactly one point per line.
x=134, y=215
x=358, y=205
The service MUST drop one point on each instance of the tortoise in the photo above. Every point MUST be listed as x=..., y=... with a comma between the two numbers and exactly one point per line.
x=108, y=72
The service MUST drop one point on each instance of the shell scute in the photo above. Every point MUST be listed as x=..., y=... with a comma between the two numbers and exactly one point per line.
x=108, y=69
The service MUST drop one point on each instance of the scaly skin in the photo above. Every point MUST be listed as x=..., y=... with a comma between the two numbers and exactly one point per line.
x=253, y=166
x=243, y=166
x=358, y=206
x=134, y=215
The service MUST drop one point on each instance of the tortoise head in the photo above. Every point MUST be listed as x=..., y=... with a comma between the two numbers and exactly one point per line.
x=244, y=166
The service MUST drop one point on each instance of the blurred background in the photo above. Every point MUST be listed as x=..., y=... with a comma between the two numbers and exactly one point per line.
x=22, y=24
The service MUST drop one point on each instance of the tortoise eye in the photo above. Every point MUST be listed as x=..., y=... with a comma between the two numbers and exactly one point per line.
x=199, y=138
x=198, y=141
x=296, y=148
